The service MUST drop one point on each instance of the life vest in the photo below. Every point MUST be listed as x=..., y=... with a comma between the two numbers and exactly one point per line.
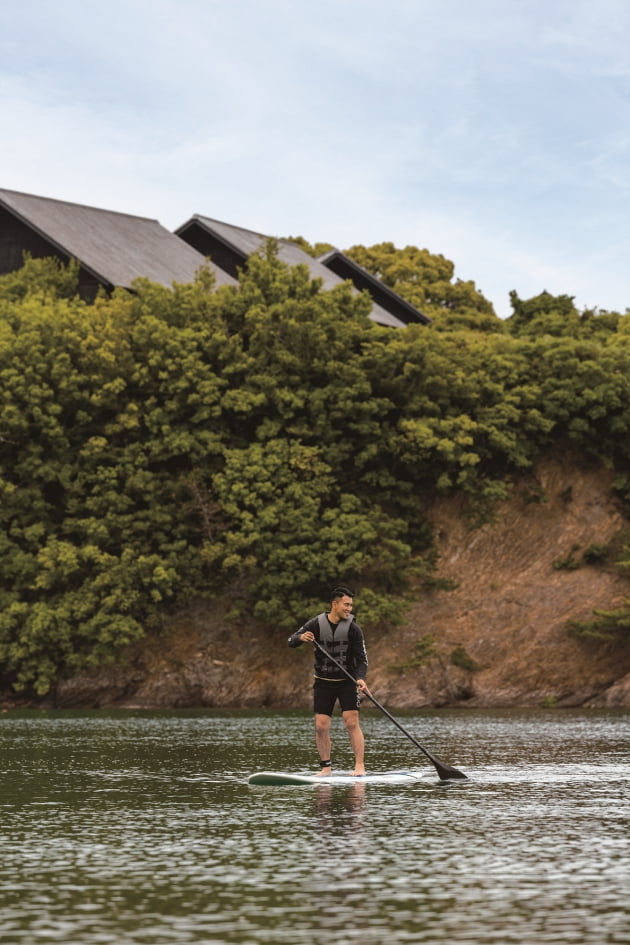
x=336, y=644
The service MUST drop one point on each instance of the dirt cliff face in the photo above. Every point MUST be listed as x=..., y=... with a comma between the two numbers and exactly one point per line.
x=506, y=619
x=511, y=607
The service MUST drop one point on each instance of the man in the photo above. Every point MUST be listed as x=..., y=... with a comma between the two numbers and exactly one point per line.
x=340, y=636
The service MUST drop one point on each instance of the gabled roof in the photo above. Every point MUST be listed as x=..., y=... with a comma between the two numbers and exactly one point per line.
x=115, y=248
x=347, y=268
x=229, y=247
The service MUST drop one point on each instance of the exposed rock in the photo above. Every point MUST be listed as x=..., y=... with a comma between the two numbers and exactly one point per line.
x=615, y=696
x=508, y=616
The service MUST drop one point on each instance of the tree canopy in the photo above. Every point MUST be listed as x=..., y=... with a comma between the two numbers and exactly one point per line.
x=265, y=441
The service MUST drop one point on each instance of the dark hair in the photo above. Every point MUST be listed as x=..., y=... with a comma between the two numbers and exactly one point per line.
x=341, y=591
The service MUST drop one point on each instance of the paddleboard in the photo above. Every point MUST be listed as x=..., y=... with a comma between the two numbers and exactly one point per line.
x=286, y=777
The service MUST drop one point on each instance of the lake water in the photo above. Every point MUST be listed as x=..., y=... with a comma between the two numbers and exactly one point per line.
x=140, y=827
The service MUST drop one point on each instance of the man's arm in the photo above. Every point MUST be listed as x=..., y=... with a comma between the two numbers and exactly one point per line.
x=360, y=657
x=305, y=634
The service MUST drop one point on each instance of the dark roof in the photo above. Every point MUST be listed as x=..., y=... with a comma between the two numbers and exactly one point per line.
x=347, y=268
x=229, y=247
x=115, y=248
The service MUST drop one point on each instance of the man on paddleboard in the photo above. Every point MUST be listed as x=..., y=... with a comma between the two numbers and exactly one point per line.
x=339, y=637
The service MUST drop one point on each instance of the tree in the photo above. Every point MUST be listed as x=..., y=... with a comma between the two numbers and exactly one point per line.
x=427, y=281
x=547, y=314
x=260, y=441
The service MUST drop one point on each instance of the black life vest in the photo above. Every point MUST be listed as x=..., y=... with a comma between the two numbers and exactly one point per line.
x=336, y=644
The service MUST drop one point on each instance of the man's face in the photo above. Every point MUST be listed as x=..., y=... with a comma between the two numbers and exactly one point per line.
x=341, y=608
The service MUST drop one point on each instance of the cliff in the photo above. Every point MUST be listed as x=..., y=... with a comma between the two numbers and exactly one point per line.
x=506, y=619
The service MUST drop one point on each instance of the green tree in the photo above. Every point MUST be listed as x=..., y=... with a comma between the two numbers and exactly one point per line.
x=316, y=249
x=45, y=276
x=547, y=314
x=428, y=281
x=105, y=410
x=262, y=441
x=301, y=422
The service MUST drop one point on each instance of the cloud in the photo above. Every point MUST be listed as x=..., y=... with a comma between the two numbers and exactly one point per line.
x=493, y=133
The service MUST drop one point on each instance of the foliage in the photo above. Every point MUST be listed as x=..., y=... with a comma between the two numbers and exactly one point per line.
x=596, y=553
x=44, y=276
x=316, y=250
x=557, y=315
x=459, y=657
x=91, y=444
x=569, y=562
x=264, y=442
x=423, y=651
x=605, y=625
x=427, y=281
x=608, y=624
x=424, y=279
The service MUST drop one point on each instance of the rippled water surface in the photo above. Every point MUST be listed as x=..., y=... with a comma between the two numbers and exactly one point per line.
x=138, y=827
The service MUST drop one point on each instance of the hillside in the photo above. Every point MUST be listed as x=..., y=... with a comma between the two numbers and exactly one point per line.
x=508, y=613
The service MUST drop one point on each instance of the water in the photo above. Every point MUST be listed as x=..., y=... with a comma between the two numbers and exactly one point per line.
x=139, y=827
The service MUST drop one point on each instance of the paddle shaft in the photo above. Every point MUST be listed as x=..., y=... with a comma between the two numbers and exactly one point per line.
x=444, y=771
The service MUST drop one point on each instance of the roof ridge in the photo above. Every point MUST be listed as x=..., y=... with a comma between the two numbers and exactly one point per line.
x=233, y=226
x=73, y=203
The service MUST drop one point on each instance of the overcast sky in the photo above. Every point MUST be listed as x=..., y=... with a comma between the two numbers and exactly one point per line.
x=494, y=132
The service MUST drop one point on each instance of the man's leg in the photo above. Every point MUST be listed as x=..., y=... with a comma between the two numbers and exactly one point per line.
x=322, y=740
x=357, y=742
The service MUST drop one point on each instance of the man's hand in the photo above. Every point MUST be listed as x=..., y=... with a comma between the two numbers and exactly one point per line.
x=307, y=637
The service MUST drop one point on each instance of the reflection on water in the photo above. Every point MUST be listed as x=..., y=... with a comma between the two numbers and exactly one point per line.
x=347, y=799
x=139, y=827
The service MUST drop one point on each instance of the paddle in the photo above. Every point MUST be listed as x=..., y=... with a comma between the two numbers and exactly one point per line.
x=445, y=772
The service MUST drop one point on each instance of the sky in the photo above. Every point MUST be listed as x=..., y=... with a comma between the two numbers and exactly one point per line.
x=493, y=132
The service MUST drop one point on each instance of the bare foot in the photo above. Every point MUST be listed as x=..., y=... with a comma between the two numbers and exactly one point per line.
x=358, y=772
x=323, y=772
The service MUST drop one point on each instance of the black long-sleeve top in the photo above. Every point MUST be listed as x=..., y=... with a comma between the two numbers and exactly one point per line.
x=356, y=661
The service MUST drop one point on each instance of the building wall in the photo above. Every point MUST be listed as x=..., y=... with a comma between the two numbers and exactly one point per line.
x=228, y=260
x=16, y=239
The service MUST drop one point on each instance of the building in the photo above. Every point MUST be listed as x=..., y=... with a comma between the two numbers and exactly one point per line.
x=112, y=248
x=229, y=247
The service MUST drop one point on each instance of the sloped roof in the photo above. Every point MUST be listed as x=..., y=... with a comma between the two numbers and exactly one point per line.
x=347, y=268
x=115, y=247
x=244, y=242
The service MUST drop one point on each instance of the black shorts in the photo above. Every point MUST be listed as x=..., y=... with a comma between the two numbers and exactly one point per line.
x=326, y=693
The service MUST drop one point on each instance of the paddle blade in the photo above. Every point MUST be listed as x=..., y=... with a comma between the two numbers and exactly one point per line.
x=448, y=773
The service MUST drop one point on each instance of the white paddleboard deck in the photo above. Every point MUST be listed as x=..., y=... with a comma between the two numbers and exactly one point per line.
x=286, y=777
